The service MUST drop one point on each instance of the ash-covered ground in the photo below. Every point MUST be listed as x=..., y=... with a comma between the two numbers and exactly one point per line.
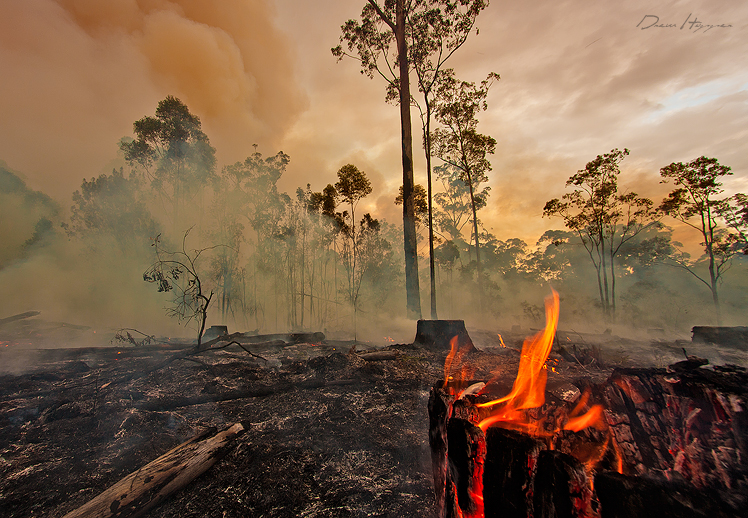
x=329, y=433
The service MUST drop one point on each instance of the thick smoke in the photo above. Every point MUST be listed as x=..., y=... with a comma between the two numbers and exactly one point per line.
x=80, y=72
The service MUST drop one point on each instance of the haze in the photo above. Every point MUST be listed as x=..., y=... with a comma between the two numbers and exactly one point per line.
x=577, y=80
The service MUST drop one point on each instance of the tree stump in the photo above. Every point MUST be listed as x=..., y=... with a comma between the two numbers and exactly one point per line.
x=437, y=334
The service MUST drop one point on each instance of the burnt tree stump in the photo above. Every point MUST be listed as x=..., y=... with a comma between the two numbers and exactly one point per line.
x=437, y=334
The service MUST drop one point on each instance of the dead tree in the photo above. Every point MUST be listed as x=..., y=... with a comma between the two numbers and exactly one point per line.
x=178, y=272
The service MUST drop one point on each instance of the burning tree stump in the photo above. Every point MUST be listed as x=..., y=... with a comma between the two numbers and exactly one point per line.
x=690, y=425
x=509, y=473
x=499, y=473
x=678, y=439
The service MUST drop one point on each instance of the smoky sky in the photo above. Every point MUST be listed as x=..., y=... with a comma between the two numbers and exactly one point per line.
x=577, y=80
x=78, y=73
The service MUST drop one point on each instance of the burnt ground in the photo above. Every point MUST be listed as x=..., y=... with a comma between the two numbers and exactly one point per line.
x=329, y=433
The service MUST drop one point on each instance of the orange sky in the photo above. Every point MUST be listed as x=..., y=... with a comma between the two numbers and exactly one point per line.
x=577, y=79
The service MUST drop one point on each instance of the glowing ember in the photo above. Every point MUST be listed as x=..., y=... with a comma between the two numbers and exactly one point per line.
x=454, y=361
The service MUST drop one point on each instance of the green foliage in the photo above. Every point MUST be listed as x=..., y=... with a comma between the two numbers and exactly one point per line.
x=459, y=145
x=172, y=151
x=694, y=202
x=603, y=219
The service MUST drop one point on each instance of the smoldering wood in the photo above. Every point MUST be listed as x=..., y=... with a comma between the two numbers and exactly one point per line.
x=721, y=335
x=681, y=431
x=145, y=488
x=439, y=408
x=509, y=473
x=561, y=487
x=466, y=445
x=622, y=496
x=692, y=424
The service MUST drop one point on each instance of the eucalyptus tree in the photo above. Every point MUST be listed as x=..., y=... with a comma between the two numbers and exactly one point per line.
x=371, y=39
x=352, y=186
x=695, y=202
x=602, y=218
x=173, y=152
x=426, y=33
x=458, y=143
x=436, y=32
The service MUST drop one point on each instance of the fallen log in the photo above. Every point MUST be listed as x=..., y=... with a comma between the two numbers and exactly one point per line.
x=19, y=316
x=147, y=487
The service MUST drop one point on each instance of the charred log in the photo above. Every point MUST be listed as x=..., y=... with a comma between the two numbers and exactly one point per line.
x=632, y=497
x=730, y=336
x=142, y=490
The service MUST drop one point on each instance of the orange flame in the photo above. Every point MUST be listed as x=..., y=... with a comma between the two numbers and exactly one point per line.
x=454, y=361
x=528, y=390
x=593, y=417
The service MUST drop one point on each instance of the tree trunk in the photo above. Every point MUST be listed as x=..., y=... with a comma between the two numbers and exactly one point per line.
x=432, y=269
x=477, y=243
x=409, y=221
x=606, y=302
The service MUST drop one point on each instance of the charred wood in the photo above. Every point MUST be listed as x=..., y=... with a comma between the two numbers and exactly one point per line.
x=634, y=497
x=437, y=334
x=147, y=487
x=730, y=336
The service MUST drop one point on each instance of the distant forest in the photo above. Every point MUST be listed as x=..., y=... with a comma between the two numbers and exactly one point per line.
x=311, y=260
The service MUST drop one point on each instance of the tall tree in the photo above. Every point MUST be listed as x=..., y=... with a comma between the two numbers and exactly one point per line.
x=371, y=39
x=458, y=142
x=695, y=203
x=173, y=152
x=352, y=186
x=436, y=32
x=421, y=203
x=603, y=219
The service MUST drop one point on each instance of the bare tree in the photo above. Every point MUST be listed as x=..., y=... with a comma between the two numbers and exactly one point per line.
x=178, y=272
